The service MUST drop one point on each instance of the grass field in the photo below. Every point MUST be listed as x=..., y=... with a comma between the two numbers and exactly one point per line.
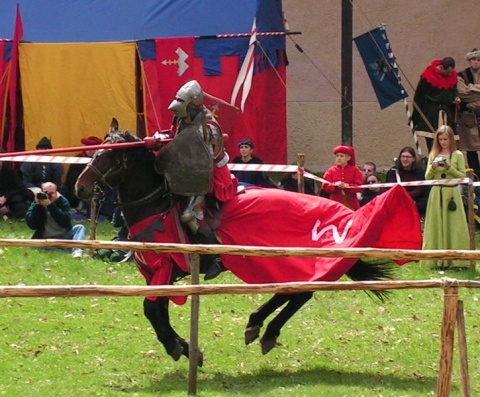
x=340, y=344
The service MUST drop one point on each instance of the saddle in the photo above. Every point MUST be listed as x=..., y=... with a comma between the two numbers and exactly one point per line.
x=213, y=213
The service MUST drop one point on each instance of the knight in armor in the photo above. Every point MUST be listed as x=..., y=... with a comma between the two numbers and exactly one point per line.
x=190, y=112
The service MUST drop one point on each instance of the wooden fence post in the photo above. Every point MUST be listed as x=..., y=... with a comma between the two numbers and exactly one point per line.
x=462, y=347
x=93, y=221
x=301, y=178
x=471, y=214
x=450, y=302
x=194, y=313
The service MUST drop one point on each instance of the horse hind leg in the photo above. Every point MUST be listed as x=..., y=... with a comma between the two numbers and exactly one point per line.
x=256, y=319
x=157, y=313
x=269, y=338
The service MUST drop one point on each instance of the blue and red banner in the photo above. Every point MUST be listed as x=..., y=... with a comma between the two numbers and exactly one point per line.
x=374, y=48
x=215, y=63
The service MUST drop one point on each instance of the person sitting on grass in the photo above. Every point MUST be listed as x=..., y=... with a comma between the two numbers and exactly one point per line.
x=14, y=197
x=49, y=217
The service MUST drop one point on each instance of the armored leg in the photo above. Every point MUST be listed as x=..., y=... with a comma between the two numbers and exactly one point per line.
x=191, y=216
x=193, y=213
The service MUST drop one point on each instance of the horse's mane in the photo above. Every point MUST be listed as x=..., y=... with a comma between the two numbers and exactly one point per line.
x=140, y=154
x=120, y=136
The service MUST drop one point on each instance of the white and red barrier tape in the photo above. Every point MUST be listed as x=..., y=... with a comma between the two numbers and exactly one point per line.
x=435, y=182
x=263, y=167
x=32, y=158
x=249, y=167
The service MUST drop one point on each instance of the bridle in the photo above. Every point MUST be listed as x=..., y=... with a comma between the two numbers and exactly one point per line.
x=119, y=167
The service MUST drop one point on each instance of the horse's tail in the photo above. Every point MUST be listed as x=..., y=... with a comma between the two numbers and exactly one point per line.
x=375, y=270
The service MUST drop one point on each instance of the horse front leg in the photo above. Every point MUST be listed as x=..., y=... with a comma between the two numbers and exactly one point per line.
x=157, y=313
x=269, y=338
x=256, y=319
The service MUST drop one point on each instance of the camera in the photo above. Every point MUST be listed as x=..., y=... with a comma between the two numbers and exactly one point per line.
x=440, y=161
x=42, y=195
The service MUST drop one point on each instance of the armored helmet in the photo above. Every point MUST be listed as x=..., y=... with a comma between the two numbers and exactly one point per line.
x=189, y=94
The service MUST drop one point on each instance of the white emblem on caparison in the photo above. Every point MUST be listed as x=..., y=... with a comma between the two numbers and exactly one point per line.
x=339, y=238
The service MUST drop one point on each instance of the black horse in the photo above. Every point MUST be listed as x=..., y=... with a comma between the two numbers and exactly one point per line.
x=151, y=212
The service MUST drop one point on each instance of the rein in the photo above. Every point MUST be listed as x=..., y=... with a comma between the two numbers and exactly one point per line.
x=119, y=167
x=116, y=168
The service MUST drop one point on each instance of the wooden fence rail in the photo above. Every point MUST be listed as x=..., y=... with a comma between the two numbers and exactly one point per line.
x=376, y=253
x=453, y=308
x=47, y=291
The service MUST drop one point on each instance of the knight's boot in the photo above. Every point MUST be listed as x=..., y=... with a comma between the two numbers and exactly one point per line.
x=213, y=263
x=214, y=268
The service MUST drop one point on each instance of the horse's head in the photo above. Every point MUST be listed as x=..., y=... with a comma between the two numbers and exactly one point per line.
x=107, y=166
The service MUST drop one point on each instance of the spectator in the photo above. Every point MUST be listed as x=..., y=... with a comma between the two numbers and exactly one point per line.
x=371, y=192
x=249, y=178
x=408, y=168
x=435, y=96
x=290, y=182
x=14, y=197
x=342, y=178
x=49, y=217
x=468, y=87
x=369, y=168
x=68, y=189
x=445, y=220
x=34, y=174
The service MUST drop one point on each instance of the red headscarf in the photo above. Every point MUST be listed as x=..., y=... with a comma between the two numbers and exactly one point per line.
x=437, y=79
x=347, y=150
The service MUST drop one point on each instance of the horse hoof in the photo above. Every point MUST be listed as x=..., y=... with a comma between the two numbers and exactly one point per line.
x=200, y=358
x=267, y=345
x=177, y=352
x=251, y=333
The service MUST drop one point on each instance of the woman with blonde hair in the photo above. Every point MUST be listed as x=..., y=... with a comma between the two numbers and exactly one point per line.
x=445, y=221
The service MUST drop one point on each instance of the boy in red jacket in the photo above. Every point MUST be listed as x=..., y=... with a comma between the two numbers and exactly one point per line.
x=342, y=177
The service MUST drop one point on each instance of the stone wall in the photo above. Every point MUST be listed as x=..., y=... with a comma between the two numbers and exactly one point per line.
x=418, y=31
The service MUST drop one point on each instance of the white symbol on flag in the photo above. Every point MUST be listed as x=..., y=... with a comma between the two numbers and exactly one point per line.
x=339, y=238
x=180, y=61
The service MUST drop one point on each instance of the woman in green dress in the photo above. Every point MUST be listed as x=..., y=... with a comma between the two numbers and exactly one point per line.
x=445, y=220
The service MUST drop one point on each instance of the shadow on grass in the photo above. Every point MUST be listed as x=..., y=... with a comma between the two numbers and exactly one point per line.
x=266, y=380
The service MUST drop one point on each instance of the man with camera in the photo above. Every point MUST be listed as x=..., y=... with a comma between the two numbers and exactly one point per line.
x=49, y=217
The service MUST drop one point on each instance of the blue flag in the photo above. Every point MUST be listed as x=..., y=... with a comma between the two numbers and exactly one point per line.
x=374, y=48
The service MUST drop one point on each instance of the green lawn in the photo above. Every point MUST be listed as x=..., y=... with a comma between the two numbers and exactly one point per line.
x=340, y=344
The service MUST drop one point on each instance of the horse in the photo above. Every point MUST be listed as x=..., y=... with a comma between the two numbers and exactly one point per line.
x=151, y=213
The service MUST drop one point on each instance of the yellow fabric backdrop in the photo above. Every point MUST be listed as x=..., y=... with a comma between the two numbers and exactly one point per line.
x=71, y=91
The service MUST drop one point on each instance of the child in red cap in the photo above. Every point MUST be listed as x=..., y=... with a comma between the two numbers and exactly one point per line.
x=342, y=177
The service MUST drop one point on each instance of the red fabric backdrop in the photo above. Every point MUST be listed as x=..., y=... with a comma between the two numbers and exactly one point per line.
x=264, y=116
